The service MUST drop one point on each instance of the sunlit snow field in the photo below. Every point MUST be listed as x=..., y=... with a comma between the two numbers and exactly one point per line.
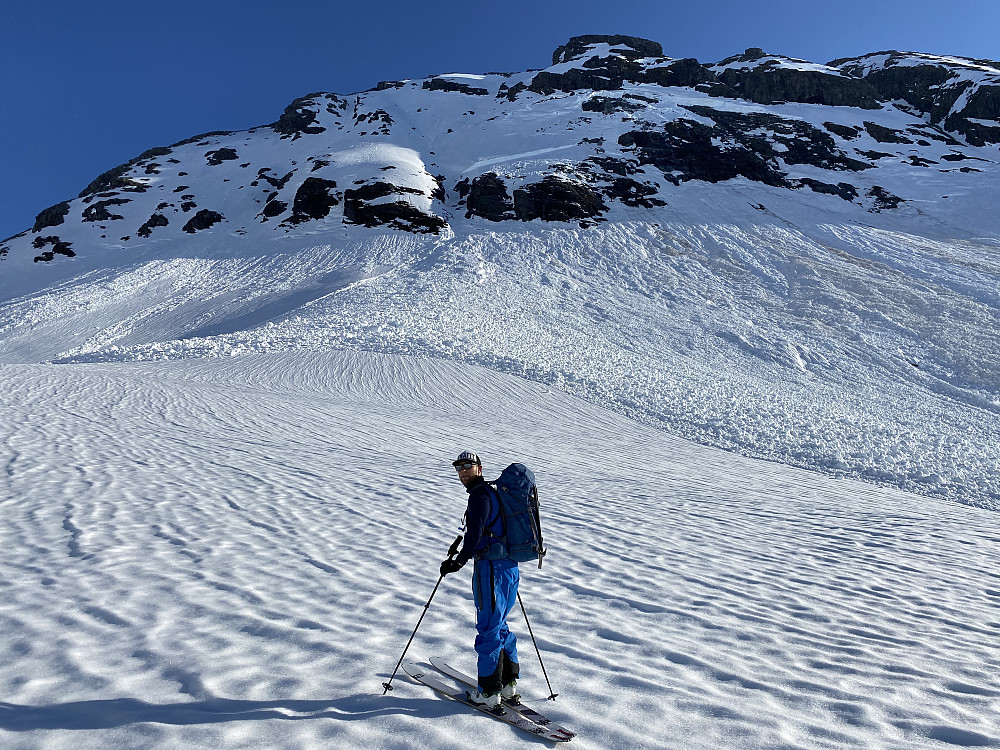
x=232, y=552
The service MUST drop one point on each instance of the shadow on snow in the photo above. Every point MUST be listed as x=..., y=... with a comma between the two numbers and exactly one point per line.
x=119, y=712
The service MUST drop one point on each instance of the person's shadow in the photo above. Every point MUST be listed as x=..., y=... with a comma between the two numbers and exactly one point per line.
x=119, y=712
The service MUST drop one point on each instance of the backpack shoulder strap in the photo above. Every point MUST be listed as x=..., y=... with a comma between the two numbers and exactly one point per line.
x=498, y=510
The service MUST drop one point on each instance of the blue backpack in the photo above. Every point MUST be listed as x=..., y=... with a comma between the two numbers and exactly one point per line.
x=522, y=529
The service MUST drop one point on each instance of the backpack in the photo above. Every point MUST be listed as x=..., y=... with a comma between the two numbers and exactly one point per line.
x=522, y=530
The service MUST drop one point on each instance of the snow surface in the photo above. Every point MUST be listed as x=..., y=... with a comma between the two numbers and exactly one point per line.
x=232, y=553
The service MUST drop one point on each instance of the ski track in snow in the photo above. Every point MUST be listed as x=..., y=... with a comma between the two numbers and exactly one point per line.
x=232, y=553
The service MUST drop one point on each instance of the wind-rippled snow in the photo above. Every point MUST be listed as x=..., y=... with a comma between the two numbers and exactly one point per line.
x=232, y=552
x=856, y=351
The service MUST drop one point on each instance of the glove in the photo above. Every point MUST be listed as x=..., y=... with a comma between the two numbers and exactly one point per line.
x=450, y=566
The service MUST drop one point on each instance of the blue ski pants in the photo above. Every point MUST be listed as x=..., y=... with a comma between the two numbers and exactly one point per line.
x=494, y=589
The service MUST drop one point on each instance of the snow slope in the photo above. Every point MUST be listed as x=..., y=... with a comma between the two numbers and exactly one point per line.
x=850, y=349
x=832, y=306
x=232, y=552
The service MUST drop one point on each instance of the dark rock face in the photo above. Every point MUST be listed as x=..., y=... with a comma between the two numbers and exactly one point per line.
x=380, y=119
x=273, y=207
x=202, y=220
x=770, y=83
x=489, y=199
x=684, y=151
x=882, y=199
x=631, y=59
x=201, y=137
x=794, y=141
x=397, y=215
x=633, y=47
x=278, y=183
x=633, y=193
x=919, y=85
x=983, y=104
x=608, y=105
x=156, y=220
x=313, y=200
x=557, y=199
x=752, y=146
x=446, y=84
x=686, y=72
x=935, y=87
x=844, y=131
x=59, y=247
x=114, y=179
x=845, y=190
x=215, y=158
x=301, y=116
x=52, y=216
x=885, y=135
x=607, y=74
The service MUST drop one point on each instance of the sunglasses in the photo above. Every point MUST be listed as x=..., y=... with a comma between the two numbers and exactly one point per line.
x=464, y=467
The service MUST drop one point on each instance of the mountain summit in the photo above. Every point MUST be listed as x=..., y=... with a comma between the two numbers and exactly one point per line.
x=795, y=260
x=615, y=121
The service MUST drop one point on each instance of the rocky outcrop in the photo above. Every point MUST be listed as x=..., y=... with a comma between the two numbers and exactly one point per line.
x=202, y=220
x=773, y=137
x=596, y=74
x=687, y=72
x=156, y=220
x=771, y=79
x=273, y=207
x=630, y=47
x=633, y=193
x=276, y=182
x=447, y=84
x=883, y=134
x=882, y=199
x=488, y=198
x=957, y=94
x=215, y=158
x=557, y=199
x=301, y=117
x=627, y=59
x=115, y=179
x=608, y=105
x=59, y=247
x=746, y=145
x=687, y=150
x=848, y=133
x=365, y=205
x=313, y=200
x=52, y=216
x=843, y=189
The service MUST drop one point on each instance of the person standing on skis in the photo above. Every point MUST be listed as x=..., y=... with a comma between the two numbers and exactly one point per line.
x=494, y=586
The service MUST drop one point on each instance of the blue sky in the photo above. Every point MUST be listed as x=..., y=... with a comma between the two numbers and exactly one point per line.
x=86, y=86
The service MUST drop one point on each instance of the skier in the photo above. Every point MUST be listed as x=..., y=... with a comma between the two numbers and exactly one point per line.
x=494, y=587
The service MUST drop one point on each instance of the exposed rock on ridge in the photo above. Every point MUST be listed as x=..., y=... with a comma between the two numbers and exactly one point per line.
x=771, y=79
x=956, y=93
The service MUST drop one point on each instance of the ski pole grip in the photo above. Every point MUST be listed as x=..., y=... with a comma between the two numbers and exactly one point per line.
x=453, y=550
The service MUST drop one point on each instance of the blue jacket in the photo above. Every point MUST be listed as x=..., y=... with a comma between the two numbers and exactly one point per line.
x=482, y=519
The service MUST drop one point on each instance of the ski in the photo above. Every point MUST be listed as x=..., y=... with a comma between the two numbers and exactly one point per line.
x=529, y=713
x=514, y=718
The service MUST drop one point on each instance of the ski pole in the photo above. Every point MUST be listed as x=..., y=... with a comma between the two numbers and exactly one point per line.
x=552, y=696
x=452, y=551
